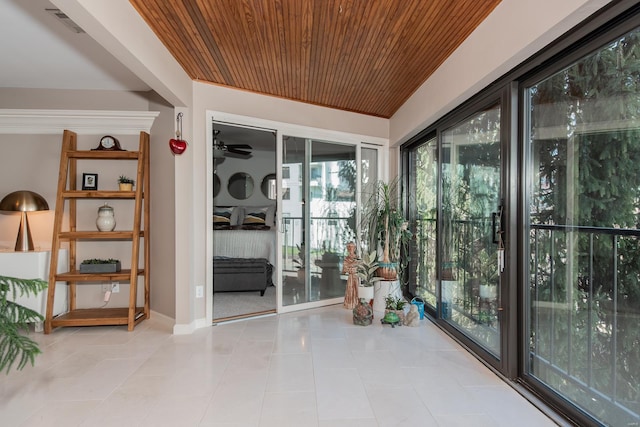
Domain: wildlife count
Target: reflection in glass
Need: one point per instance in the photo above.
(424, 189)
(216, 185)
(317, 218)
(240, 186)
(469, 276)
(269, 187)
(584, 270)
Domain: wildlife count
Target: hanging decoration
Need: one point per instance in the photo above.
(177, 144)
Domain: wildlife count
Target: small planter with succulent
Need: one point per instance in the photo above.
(396, 305)
(125, 183)
(96, 265)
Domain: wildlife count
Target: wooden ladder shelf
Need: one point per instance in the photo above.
(68, 195)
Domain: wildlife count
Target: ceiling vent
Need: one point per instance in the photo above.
(68, 22)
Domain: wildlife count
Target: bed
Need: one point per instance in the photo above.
(243, 248)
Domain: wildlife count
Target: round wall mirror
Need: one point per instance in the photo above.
(216, 185)
(240, 186)
(269, 187)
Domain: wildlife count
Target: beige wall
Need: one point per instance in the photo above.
(73, 99)
(163, 248)
(31, 162)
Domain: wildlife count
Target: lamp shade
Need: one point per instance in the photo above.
(24, 201)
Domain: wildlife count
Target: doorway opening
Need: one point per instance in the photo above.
(244, 224)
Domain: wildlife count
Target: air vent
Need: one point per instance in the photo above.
(68, 22)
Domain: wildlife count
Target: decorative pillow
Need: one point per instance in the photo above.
(222, 216)
(255, 216)
(270, 217)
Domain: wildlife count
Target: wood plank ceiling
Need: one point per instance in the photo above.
(366, 56)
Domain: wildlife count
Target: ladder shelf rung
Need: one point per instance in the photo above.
(98, 235)
(103, 155)
(98, 316)
(99, 194)
(77, 276)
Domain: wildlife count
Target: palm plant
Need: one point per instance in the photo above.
(385, 225)
(15, 319)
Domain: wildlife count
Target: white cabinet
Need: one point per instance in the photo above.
(35, 265)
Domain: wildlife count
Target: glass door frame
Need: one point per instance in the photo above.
(281, 129)
(506, 97)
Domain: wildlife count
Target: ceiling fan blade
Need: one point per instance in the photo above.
(239, 146)
(236, 151)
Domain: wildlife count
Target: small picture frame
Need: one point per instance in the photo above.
(89, 181)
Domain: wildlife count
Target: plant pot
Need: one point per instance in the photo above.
(381, 290)
(400, 314)
(100, 268)
(125, 186)
(387, 270)
(365, 292)
(488, 292)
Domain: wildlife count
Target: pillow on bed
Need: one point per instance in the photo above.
(255, 216)
(270, 213)
(222, 216)
(227, 215)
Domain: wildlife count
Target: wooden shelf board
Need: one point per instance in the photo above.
(98, 235)
(97, 317)
(99, 194)
(76, 276)
(104, 155)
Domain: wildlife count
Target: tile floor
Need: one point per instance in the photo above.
(309, 368)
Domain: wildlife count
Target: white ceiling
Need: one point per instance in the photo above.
(38, 51)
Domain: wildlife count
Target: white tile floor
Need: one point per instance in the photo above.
(310, 368)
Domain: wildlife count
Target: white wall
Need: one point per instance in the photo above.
(208, 97)
(514, 31)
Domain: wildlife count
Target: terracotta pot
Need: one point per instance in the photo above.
(387, 270)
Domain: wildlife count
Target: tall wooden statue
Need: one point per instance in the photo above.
(350, 267)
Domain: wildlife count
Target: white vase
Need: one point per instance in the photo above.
(106, 221)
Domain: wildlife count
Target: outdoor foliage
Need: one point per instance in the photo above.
(587, 146)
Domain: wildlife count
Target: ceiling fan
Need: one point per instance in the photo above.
(220, 149)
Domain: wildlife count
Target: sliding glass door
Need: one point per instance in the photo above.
(318, 217)
(583, 129)
(471, 238)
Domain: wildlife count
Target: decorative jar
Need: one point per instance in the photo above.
(106, 221)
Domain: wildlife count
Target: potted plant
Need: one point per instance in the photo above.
(125, 183)
(15, 319)
(300, 262)
(96, 265)
(386, 227)
(366, 271)
(396, 305)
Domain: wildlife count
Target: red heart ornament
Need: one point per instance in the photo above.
(177, 146)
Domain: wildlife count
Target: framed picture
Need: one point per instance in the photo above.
(89, 181)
